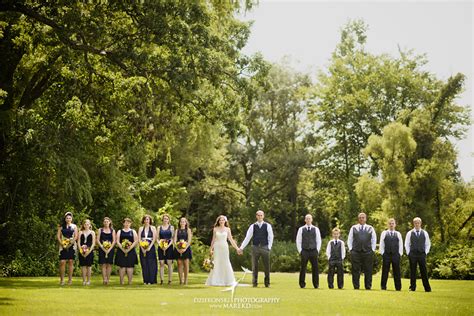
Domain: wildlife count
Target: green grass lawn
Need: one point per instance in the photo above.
(44, 296)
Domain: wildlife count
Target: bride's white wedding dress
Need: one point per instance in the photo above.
(222, 274)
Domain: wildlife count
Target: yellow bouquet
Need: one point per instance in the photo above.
(66, 243)
(107, 245)
(125, 245)
(164, 244)
(144, 244)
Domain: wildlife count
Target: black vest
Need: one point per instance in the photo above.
(336, 251)
(391, 243)
(308, 240)
(362, 239)
(260, 235)
(417, 244)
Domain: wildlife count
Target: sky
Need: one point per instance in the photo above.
(307, 32)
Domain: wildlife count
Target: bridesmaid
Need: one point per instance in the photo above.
(148, 255)
(165, 232)
(106, 256)
(67, 230)
(183, 255)
(86, 251)
(126, 259)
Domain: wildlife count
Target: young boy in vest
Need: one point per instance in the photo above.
(336, 252)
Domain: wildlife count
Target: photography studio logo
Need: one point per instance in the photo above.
(233, 302)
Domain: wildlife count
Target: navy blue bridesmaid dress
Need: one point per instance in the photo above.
(149, 262)
(183, 234)
(89, 259)
(168, 235)
(131, 259)
(106, 237)
(67, 254)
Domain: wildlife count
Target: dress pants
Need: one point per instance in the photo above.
(310, 255)
(362, 261)
(264, 253)
(394, 260)
(418, 259)
(336, 265)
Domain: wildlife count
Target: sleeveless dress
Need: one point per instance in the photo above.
(131, 259)
(110, 257)
(66, 254)
(149, 262)
(183, 234)
(89, 259)
(169, 253)
(222, 274)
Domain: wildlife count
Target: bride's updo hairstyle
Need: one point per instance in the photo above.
(218, 219)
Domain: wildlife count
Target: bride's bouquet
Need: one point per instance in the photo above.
(144, 244)
(208, 264)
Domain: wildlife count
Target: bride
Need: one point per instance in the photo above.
(222, 273)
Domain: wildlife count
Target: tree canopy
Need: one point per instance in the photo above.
(125, 108)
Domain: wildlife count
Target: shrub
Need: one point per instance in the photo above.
(456, 263)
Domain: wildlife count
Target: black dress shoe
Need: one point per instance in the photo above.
(254, 285)
(428, 290)
(267, 285)
(384, 289)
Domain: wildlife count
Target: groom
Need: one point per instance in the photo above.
(262, 234)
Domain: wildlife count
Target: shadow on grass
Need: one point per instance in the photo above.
(194, 282)
(6, 301)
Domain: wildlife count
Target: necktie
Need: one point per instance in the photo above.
(307, 228)
(417, 233)
(335, 242)
(361, 227)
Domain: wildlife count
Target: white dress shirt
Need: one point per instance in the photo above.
(250, 235)
(382, 241)
(367, 227)
(408, 241)
(343, 248)
(299, 236)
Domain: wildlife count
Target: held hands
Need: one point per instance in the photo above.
(240, 251)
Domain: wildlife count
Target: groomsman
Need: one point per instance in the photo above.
(361, 242)
(417, 246)
(261, 234)
(308, 243)
(391, 249)
(336, 252)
